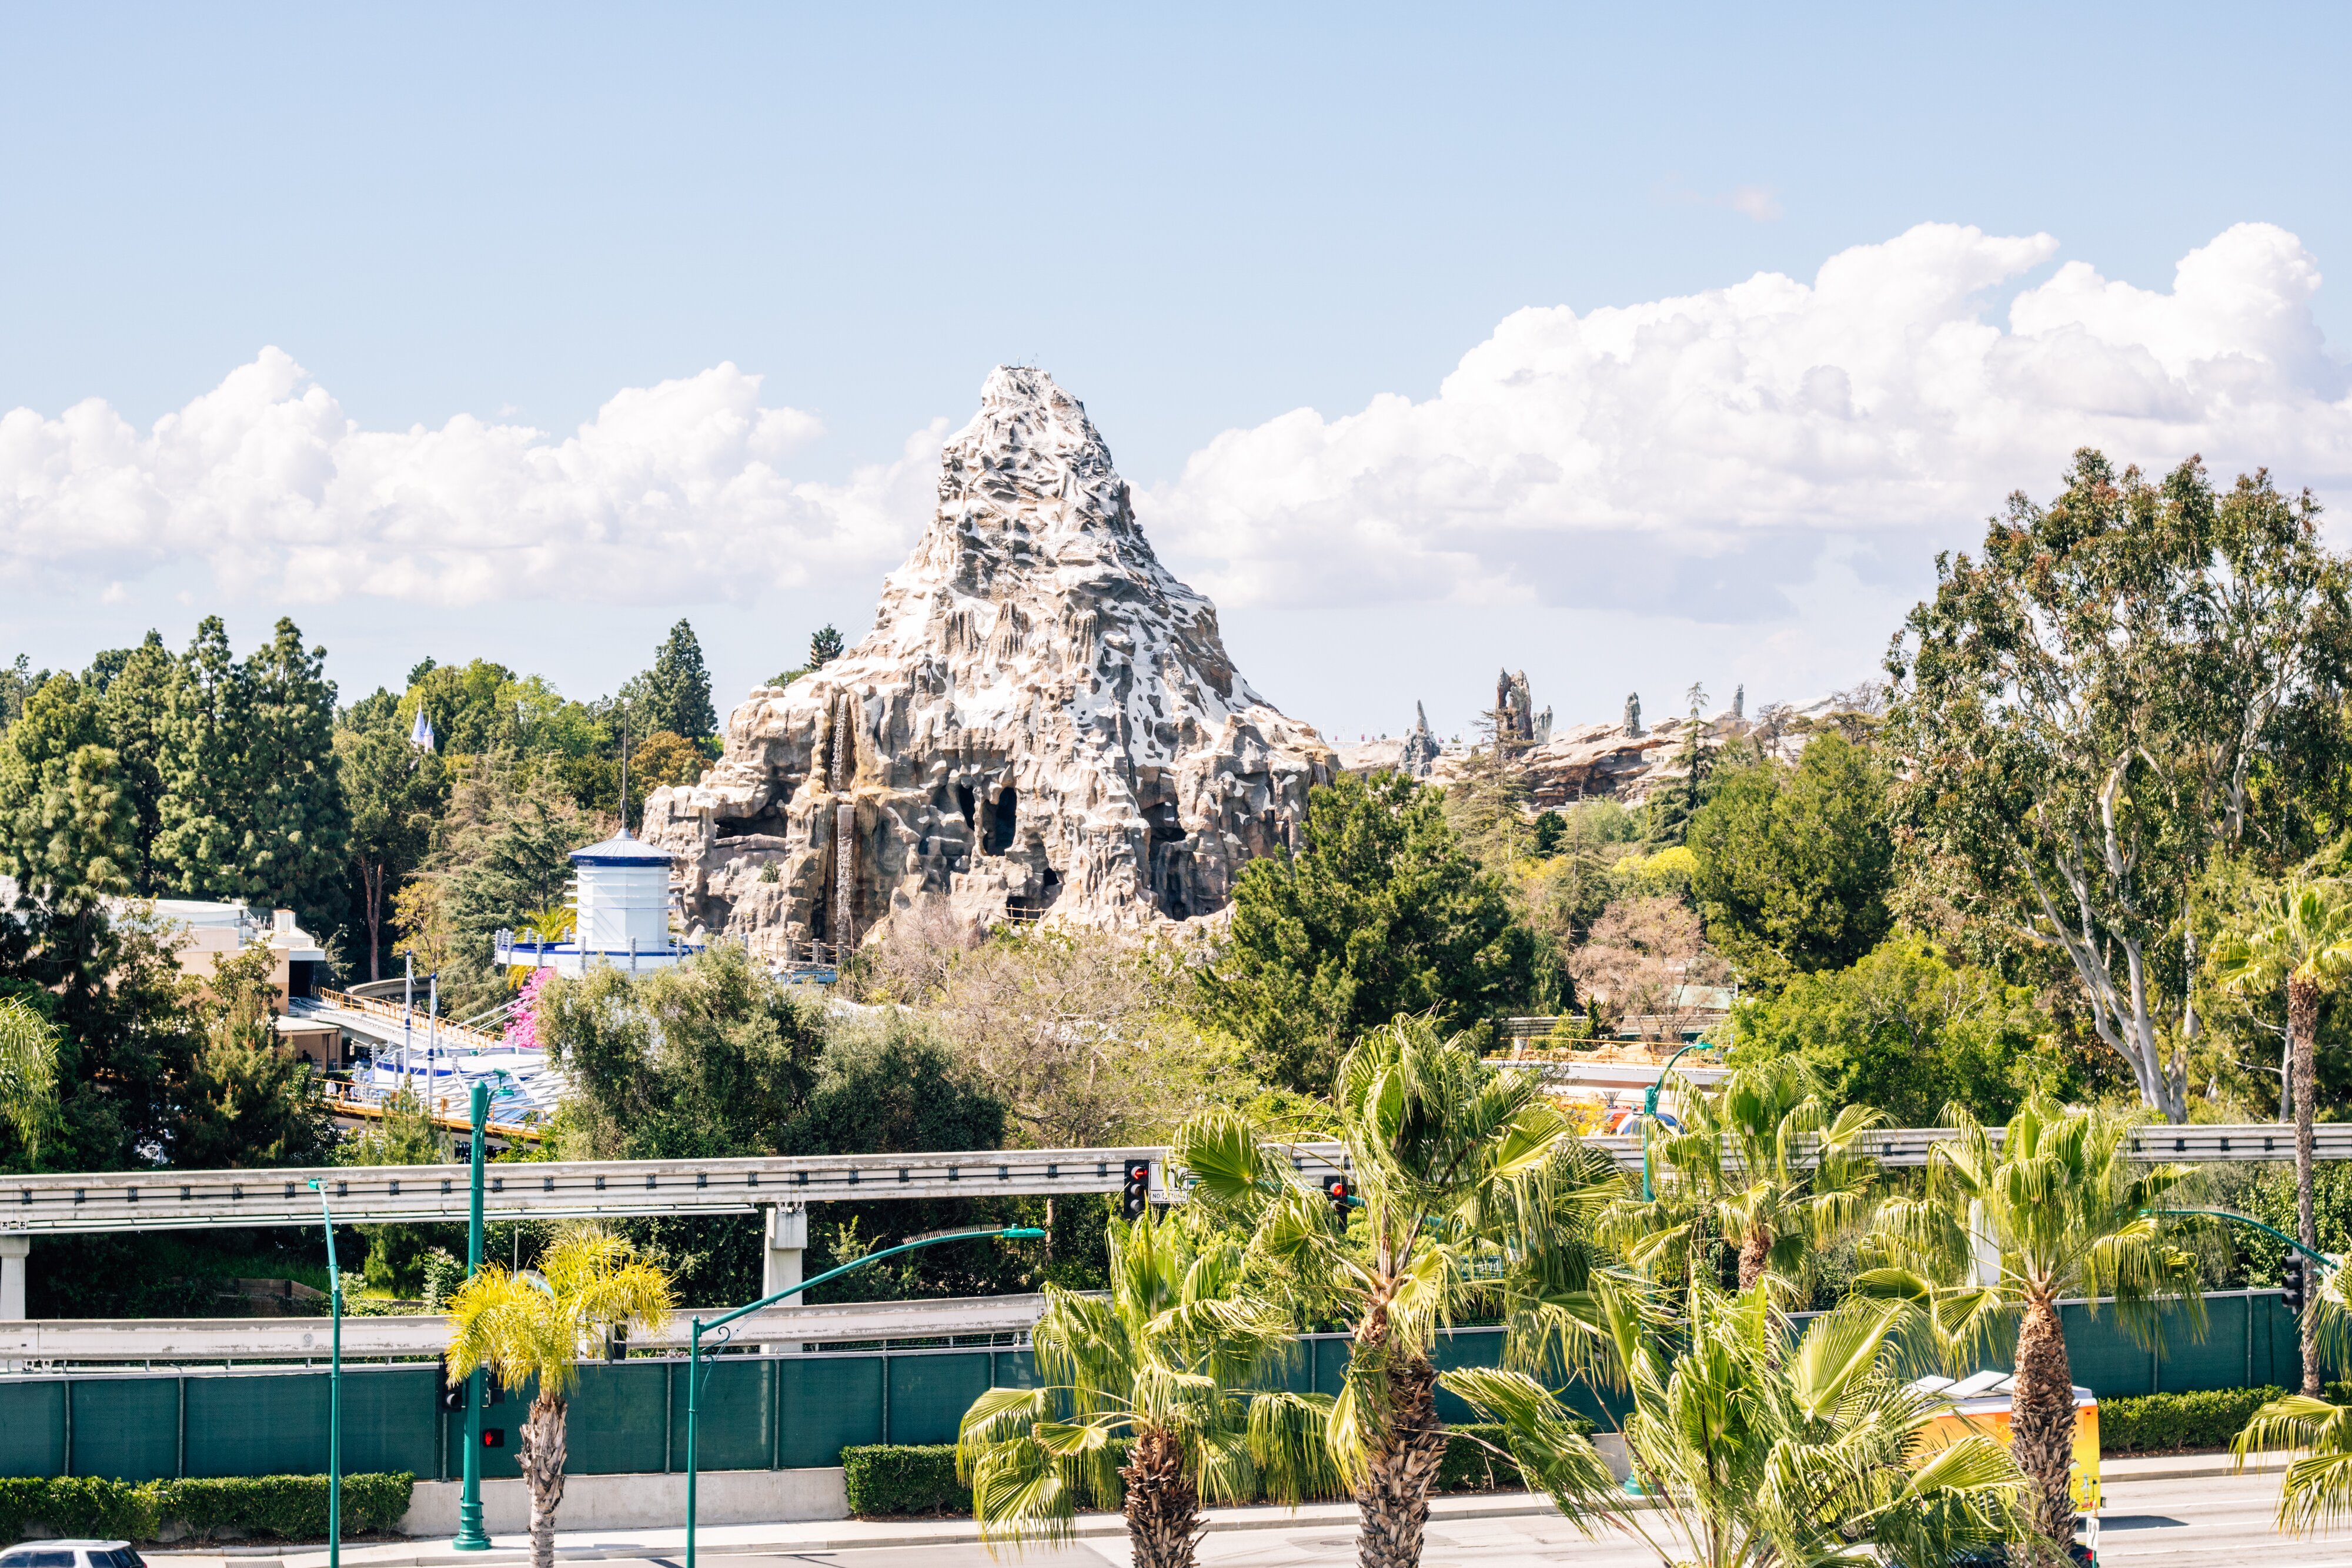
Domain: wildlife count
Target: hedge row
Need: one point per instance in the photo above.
(288, 1508)
(2174, 1423)
(920, 1479)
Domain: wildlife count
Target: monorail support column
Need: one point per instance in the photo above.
(787, 1226)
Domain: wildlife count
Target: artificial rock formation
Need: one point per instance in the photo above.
(1043, 722)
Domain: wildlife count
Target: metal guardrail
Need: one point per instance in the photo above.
(63, 1205)
(452, 1037)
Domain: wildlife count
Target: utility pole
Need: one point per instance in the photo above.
(471, 1537)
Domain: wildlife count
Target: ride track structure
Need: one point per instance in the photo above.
(80, 1204)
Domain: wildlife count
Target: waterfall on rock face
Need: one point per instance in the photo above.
(845, 825)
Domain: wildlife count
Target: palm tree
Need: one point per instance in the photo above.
(1163, 1361)
(1761, 1163)
(1470, 1189)
(2317, 1491)
(1750, 1450)
(2300, 936)
(2052, 1208)
(536, 1325)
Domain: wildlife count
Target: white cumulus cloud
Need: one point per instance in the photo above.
(672, 492)
(1705, 454)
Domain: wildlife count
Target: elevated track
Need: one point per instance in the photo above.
(64, 1205)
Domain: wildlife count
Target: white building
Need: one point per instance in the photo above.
(621, 905)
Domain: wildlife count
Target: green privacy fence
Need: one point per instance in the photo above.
(763, 1412)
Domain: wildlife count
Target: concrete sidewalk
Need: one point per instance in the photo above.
(852, 1534)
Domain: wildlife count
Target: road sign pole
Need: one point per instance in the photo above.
(471, 1537)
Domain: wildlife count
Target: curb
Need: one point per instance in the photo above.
(962, 1532)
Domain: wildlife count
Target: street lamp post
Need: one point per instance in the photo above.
(471, 1537)
(1649, 1109)
(334, 1394)
(694, 1373)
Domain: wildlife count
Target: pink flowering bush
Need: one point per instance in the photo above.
(522, 1033)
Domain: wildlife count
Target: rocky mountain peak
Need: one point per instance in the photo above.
(1043, 721)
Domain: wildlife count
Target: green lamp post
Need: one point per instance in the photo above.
(334, 1393)
(694, 1373)
(471, 1537)
(1649, 1109)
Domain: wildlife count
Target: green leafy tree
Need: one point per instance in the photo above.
(1757, 1444)
(134, 708)
(1474, 1192)
(1909, 1031)
(2301, 939)
(252, 808)
(396, 794)
(2089, 706)
(677, 687)
(397, 1254)
(1672, 812)
(1793, 864)
(1380, 914)
(1166, 1362)
(248, 1102)
(2056, 1207)
(824, 647)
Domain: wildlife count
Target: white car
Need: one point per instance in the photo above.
(71, 1554)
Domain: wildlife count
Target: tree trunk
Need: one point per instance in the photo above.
(1163, 1510)
(1755, 1259)
(371, 885)
(1392, 1500)
(2041, 1426)
(539, 1451)
(2303, 1030)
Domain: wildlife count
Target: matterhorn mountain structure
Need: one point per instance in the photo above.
(1043, 722)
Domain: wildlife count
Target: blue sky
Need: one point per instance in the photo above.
(1199, 221)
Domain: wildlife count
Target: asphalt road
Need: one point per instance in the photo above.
(2203, 1524)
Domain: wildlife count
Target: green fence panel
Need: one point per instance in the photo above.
(1460, 1348)
(1331, 1364)
(2278, 1345)
(2219, 1360)
(828, 1403)
(617, 1424)
(1013, 1369)
(929, 1394)
(733, 1428)
(269, 1426)
(388, 1414)
(127, 1429)
(2104, 1358)
(33, 1428)
(503, 1419)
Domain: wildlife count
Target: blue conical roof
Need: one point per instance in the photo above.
(621, 849)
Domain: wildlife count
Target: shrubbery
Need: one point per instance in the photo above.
(288, 1508)
(920, 1479)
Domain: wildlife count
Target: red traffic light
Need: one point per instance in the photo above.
(494, 1437)
(1140, 1170)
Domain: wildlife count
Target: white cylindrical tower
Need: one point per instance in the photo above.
(623, 897)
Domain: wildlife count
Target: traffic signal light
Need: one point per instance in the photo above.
(2295, 1267)
(494, 1437)
(1342, 1193)
(1138, 1196)
(453, 1395)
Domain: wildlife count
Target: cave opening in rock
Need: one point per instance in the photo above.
(1003, 817)
(965, 803)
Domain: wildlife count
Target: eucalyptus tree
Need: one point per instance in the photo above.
(2086, 714)
(1470, 1189)
(1753, 1444)
(2299, 937)
(2006, 1228)
(1166, 1360)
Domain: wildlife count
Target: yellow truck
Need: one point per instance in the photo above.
(1979, 1403)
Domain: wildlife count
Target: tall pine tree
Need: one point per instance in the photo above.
(251, 806)
(675, 694)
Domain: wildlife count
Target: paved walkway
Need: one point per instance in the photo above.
(826, 1536)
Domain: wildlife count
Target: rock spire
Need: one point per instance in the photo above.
(1043, 722)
